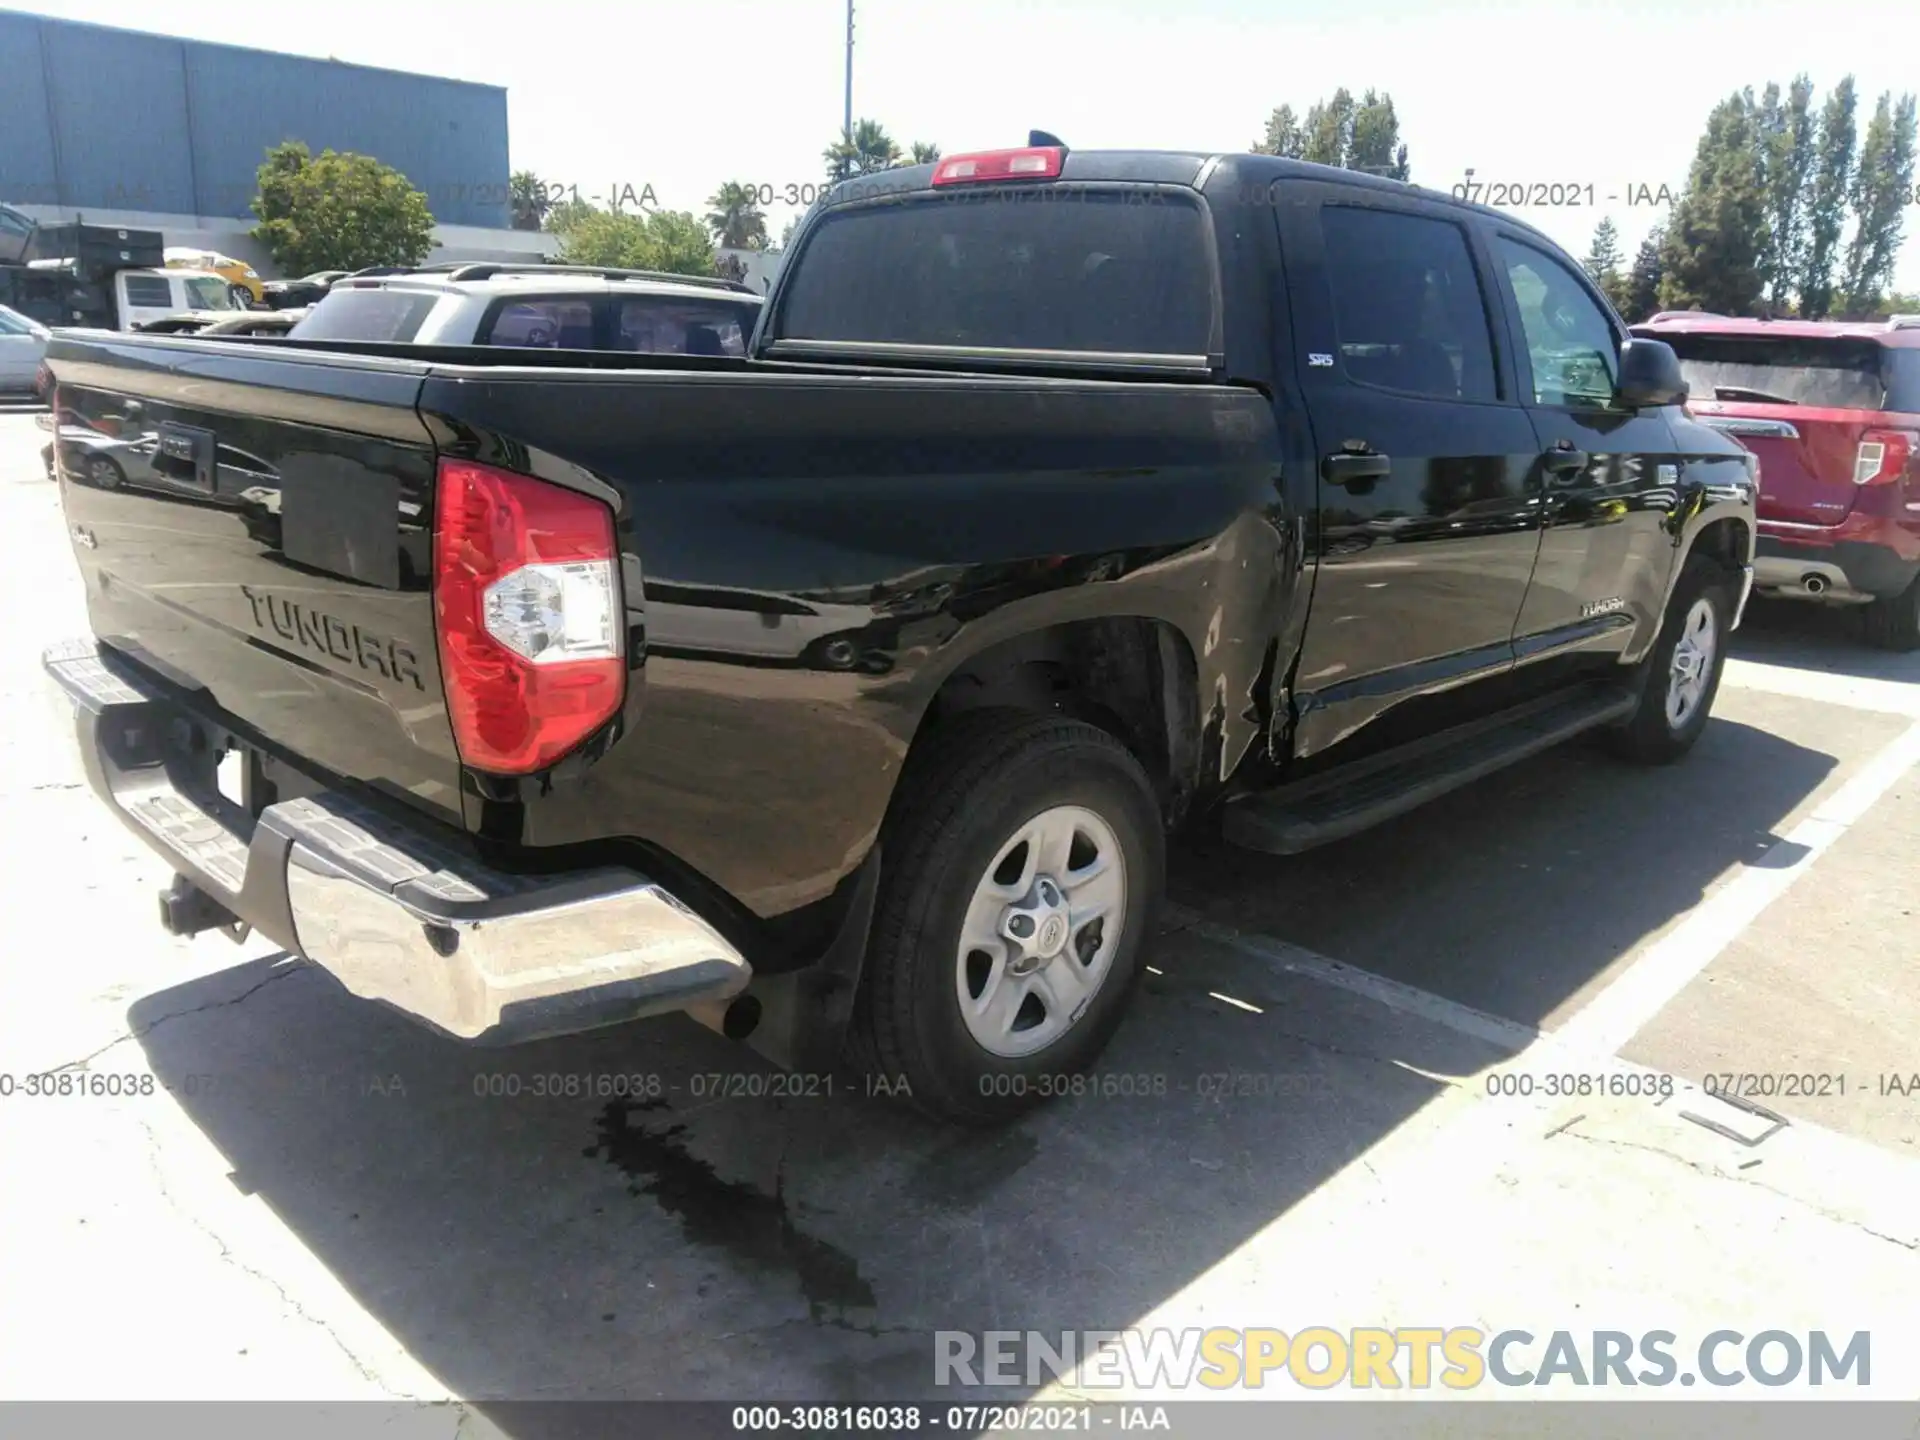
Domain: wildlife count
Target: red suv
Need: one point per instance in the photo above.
(1833, 412)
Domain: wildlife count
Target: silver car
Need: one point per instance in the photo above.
(23, 344)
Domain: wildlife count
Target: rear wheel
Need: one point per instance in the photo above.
(1025, 864)
(1683, 668)
(104, 472)
(1893, 622)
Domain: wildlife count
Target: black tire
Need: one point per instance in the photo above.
(1893, 621)
(1649, 737)
(960, 804)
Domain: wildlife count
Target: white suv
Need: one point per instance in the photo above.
(554, 307)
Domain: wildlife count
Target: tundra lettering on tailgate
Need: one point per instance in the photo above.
(324, 635)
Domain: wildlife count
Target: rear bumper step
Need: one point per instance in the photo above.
(391, 912)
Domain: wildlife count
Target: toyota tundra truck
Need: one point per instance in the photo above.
(845, 694)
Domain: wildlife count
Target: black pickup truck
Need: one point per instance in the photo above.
(845, 695)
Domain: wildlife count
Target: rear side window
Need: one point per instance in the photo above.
(366, 314)
(544, 324)
(1841, 374)
(657, 325)
(1055, 268)
(149, 292)
(1407, 304)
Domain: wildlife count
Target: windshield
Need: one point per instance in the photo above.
(1833, 374)
(207, 292)
(1114, 271)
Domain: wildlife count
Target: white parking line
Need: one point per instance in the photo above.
(1606, 1023)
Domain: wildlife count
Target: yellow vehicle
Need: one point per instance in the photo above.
(235, 272)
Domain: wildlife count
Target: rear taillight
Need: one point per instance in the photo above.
(1034, 162)
(1884, 455)
(528, 609)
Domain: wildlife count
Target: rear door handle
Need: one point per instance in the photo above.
(1345, 467)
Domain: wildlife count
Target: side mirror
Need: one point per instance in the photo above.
(1649, 375)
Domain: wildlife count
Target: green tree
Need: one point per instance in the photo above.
(1643, 279)
(1602, 262)
(1355, 135)
(868, 149)
(528, 203)
(786, 235)
(1375, 146)
(338, 211)
(1719, 228)
(1329, 129)
(1785, 134)
(1284, 135)
(670, 240)
(1827, 203)
(735, 218)
(924, 153)
(1878, 195)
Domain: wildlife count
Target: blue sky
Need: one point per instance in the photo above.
(684, 96)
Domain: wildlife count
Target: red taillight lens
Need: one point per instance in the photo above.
(1883, 456)
(1035, 162)
(528, 609)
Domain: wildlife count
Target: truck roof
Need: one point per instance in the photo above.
(1172, 167)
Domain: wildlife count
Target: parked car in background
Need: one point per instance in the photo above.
(23, 346)
(1833, 412)
(301, 293)
(217, 322)
(536, 306)
(239, 275)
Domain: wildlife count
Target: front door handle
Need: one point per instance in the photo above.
(1346, 468)
(1564, 462)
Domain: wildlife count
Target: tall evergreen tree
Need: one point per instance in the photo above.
(1786, 137)
(1375, 147)
(1719, 228)
(1643, 280)
(1329, 130)
(1881, 184)
(1284, 135)
(1602, 262)
(1827, 203)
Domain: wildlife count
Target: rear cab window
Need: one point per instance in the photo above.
(1074, 268)
(1843, 373)
(373, 313)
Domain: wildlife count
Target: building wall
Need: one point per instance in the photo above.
(98, 119)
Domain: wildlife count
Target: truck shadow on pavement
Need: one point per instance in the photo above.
(637, 1213)
(1826, 640)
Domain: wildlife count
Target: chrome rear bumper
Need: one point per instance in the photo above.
(396, 914)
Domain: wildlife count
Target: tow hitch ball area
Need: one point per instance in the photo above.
(186, 909)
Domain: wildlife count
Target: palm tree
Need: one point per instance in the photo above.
(527, 200)
(735, 218)
(925, 154)
(868, 149)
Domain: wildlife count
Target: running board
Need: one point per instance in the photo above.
(1345, 801)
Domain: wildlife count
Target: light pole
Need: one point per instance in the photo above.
(847, 123)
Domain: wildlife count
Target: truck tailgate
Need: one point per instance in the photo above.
(258, 525)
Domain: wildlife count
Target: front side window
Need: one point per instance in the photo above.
(1570, 343)
(204, 292)
(1407, 303)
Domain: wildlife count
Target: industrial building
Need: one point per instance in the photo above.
(181, 158)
